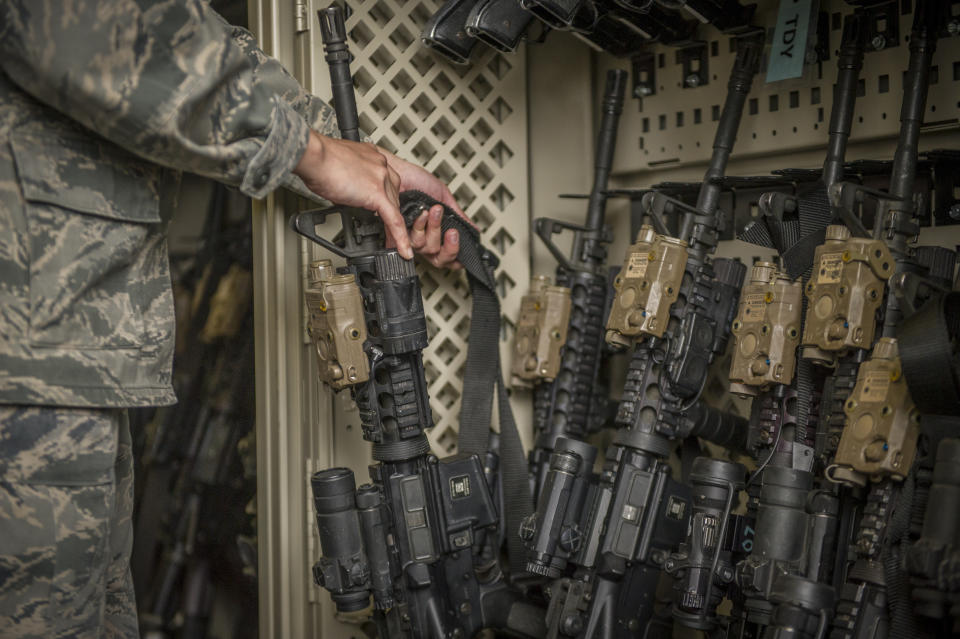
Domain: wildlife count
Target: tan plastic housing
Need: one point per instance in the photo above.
(647, 286)
(337, 326)
(845, 291)
(541, 333)
(880, 435)
(766, 331)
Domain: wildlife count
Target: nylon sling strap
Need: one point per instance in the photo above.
(796, 240)
(483, 376)
(928, 352)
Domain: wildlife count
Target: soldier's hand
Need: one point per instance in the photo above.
(356, 174)
(426, 236)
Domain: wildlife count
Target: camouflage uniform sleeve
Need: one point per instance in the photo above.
(166, 81)
(318, 113)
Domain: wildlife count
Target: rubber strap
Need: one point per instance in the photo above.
(483, 376)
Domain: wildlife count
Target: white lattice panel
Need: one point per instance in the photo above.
(466, 125)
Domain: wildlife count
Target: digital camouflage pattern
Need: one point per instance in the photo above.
(65, 524)
(102, 103)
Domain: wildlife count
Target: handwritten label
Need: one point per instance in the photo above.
(831, 266)
(789, 47)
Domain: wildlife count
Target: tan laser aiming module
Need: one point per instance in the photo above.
(844, 292)
(541, 333)
(647, 287)
(880, 435)
(336, 326)
(766, 331)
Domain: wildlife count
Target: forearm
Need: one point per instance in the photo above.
(168, 83)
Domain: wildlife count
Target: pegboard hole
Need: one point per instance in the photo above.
(423, 106)
(883, 83)
(462, 108)
(794, 129)
(442, 85)
(500, 110)
(482, 217)
(645, 125)
(384, 141)
(366, 123)
(482, 175)
(446, 307)
(499, 66)
(428, 284)
(443, 129)
(465, 197)
(481, 87)
(502, 241)
(814, 96)
(422, 60)
(403, 128)
(447, 442)
(424, 151)
(462, 152)
(380, 13)
(382, 59)
(447, 351)
(481, 131)
(401, 37)
(501, 154)
(361, 35)
(445, 172)
(505, 284)
(501, 198)
(753, 106)
(431, 372)
(463, 327)
(420, 14)
(448, 396)
(383, 105)
(363, 81)
(794, 99)
(697, 116)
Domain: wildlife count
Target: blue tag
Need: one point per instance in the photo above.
(789, 46)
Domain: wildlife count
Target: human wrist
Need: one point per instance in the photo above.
(312, 156)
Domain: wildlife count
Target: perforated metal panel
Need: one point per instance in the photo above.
(675, 126)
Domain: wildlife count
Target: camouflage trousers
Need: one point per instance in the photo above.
(66, 501)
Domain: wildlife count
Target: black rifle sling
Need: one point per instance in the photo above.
(482, 376)
(928, 352)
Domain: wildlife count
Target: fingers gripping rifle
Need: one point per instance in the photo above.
(411, 537)
(630, 521)
(559, 344)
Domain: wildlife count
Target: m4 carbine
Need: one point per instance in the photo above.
(794, 527)
(411, 538)
(678, 304)
(559, 341)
